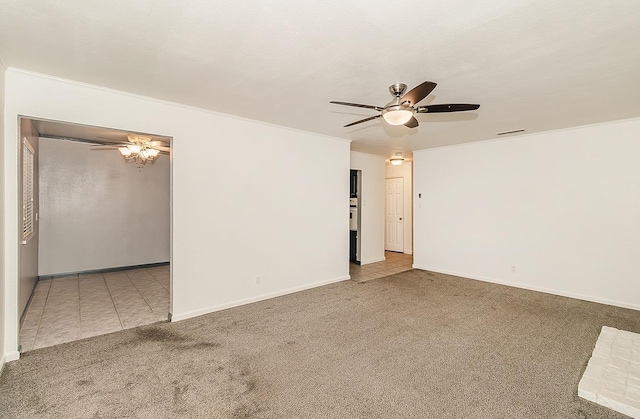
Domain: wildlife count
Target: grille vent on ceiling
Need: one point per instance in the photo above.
(510, 132)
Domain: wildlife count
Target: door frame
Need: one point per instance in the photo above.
(386, 213)
(13, 222)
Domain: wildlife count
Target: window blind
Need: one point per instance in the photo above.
(27, 190)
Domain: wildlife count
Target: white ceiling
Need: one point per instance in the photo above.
(531, 64)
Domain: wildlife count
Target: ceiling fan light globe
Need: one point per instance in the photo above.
(124, 151)
(135, 149)
(397, 116)
(152, 152)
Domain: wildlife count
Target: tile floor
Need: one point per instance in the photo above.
(73, 307)
(394, 263)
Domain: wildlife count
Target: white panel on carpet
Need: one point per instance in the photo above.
(612, 377)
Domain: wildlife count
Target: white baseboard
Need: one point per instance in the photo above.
(577, 296)
(366, 262)
(12, 356)
(207, 310)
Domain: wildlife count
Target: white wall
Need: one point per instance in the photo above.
(249, 199)
(3, 295)
(405, 171)
(98, 211)
(371, 209)
(562, 208)
(29, 250)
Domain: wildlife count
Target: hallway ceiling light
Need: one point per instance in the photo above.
(397, 160)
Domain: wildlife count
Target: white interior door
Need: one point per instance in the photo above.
(394, 231)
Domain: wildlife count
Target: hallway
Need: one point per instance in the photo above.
(394, 263)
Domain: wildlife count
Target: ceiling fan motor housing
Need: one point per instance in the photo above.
(398, 89)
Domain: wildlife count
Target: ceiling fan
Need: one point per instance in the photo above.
(139, 149)
(401, 110)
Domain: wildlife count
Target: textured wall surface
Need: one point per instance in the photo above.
(98, 211)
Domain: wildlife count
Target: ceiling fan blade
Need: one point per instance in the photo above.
(363, 120)
(452, 107)
(167, 149)
(412, 123)
(418, 93)
(357, 105)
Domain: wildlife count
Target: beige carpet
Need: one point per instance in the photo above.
(413, 345)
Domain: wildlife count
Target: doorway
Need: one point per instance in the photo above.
(355, 224)
(400, 201)
(394, 215)
(103, 230)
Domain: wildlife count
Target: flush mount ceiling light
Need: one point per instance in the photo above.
(140, 149)
(401, 110)
(397, 160)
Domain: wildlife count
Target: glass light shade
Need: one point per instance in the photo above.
(396, 161)
(141, 150)
(134, 148)
(397, 117)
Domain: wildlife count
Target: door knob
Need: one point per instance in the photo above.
(400, 218)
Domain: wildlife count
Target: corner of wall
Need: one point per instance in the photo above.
(3, 360)
(3, 357)
(3, 66)
(371, 205)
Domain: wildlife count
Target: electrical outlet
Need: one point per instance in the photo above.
(258, 280)
(513, 268)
